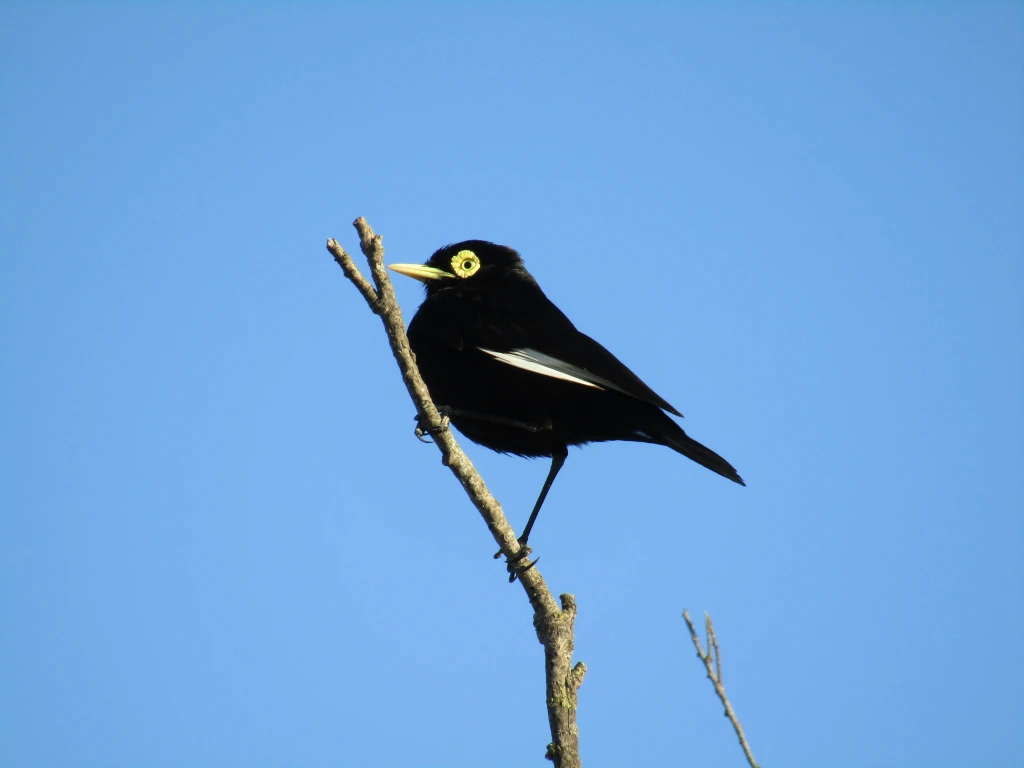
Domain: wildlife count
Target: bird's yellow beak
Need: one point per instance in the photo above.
(420, 272)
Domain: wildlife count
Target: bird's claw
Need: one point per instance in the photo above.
(522, 554)
(516, 569)
(422, 432)
(515, 564)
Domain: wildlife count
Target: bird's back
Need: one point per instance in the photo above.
(459, 337)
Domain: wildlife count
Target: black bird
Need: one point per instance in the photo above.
(513, 373)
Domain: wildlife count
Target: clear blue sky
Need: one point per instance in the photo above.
(802, 224)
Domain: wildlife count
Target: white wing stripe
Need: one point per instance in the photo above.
(546, 365)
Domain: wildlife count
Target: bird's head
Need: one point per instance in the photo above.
(469, 264)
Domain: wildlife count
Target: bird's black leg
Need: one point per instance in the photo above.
(558, 456)
(447, 413)
(557, 460)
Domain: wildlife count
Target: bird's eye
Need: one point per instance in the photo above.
(465, 263)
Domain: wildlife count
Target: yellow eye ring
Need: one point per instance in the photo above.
(465, 263)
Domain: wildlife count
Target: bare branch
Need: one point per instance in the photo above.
(352, 273)
(713, 646)
(554, 626)
(712, 660)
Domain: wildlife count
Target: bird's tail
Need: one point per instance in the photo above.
(678, 440)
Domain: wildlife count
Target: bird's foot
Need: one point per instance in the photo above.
(517, 564)
(423, 431)
(518, 568)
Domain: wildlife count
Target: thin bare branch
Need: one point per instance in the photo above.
(554, 625)
(352, 273)
(712, 660)
(713, 646)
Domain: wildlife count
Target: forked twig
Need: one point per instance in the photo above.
(712, 660)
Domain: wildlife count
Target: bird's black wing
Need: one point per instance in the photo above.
(524, 329)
